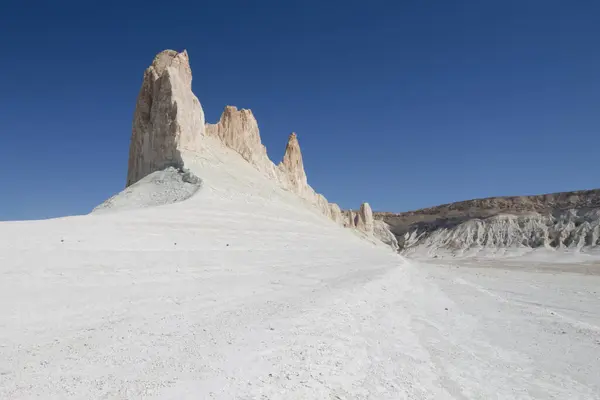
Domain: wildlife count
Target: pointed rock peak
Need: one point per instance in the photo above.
(232, 111)
(365, 218)
(292, 159)
(293, 138)
(163, 59)
(167, 58)
(292, 149)
(293, 165)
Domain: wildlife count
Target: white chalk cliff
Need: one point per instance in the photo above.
(565, 221)
(169, 121)
(570, 229)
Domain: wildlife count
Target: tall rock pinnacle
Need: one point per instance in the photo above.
(365, 219)
(168, 117)
(293, 165)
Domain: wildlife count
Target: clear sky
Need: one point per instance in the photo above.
(404, 104)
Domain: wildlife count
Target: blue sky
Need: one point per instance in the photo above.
(404, 104)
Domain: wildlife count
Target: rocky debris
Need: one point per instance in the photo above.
(364, 219)
(168, 117)
(566, 220)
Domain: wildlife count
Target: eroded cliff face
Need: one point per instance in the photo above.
(567, 220)
(572, 229)
(168, 117)
(169, 120)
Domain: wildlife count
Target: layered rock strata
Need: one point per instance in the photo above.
(566, 220)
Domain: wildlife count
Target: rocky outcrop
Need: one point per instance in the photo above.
(293, 166)
(169, 120)
(568, 220)
(349, 219)
(238, 130)
(168, 117)
(336, 213)
(364, 219)
(570, 229)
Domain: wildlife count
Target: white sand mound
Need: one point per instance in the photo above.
(168, 186)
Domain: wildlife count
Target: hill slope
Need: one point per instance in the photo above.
(242, 291)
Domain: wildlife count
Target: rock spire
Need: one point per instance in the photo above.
(168, 117)
(292, 164)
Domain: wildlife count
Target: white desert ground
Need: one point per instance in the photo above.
(243, 291)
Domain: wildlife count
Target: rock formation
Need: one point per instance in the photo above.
(169, 120)
(568, 220)
(293, 166)
(364, 219)
(238, 130)
(168, 117)
(336, 213)
(349, 219)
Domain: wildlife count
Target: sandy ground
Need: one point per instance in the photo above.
(545, 315)
(123, 307)
(243, 292)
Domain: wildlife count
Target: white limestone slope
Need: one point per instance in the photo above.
(241, 291)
